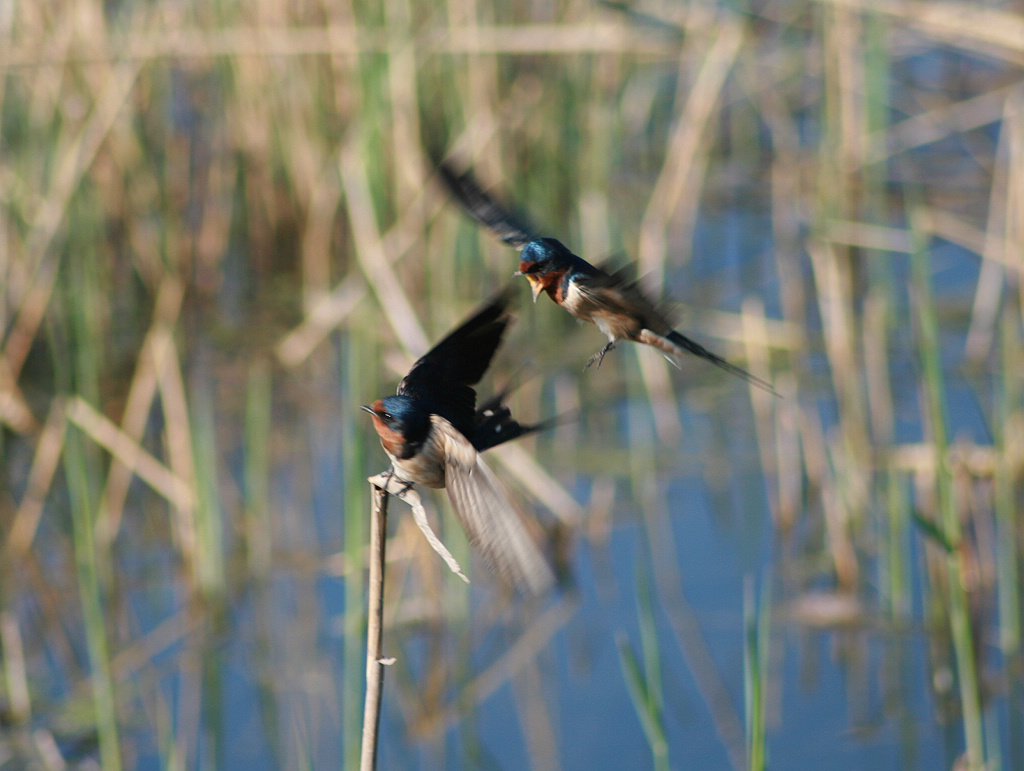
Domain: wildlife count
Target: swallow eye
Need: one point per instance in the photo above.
(386, 417)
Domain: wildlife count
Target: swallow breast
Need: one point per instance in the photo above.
(425, 467)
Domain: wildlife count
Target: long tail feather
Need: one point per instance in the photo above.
(673, 345)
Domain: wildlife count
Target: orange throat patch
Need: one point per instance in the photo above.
(548, 282)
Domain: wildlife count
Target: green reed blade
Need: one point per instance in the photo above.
(645, 683)
(935, 408)
(636, 684)
(757, 631)
(83, 520)
(209, 517)
(1007, 566)
(258, 527)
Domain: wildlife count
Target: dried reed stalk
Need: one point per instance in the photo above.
(374, 629)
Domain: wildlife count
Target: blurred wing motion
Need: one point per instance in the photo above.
(483, 208)
(487, 516)
(614, 301)
(443, 377)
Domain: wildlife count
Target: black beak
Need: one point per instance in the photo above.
(367, 408)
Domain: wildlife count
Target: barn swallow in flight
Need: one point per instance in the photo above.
(612, 301)
(433, 433)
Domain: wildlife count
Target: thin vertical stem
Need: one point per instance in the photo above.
(756, 622)
(90, 594)
(374, 629)
(959, 612)
(1007, 566)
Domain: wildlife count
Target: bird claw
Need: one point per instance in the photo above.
(388, 476)
(599, 356)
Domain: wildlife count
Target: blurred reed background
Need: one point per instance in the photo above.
(203, 207)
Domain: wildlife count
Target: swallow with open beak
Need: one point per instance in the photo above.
(433, 433)
(612, 301)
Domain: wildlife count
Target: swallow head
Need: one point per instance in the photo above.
(543, 262)
(401, 424)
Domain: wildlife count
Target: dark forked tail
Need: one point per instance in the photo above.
(674, 344)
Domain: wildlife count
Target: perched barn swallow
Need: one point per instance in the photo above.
(612, 301)
(434, 434)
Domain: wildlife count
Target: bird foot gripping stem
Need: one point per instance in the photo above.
(386, 478)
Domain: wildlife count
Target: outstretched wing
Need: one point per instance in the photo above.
(443, 377)
(492, 525)
(483, 208)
